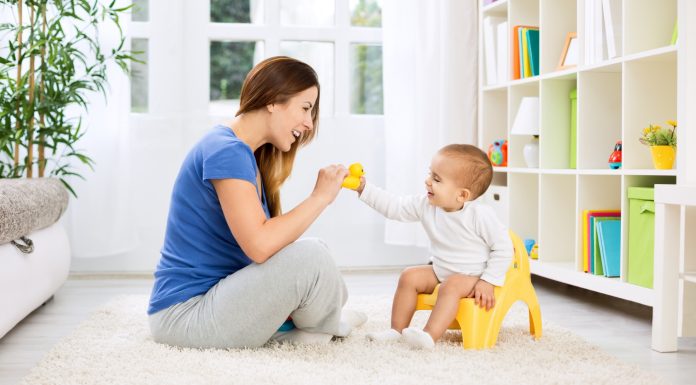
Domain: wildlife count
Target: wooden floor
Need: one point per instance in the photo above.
(620, 328)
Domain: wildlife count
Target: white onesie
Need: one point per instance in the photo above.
(469, 241)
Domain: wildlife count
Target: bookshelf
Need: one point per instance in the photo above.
(616, 98)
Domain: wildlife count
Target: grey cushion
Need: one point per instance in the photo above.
(29, 204)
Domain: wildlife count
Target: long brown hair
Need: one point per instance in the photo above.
(274, 81)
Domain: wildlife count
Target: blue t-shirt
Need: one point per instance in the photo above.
(199, 249)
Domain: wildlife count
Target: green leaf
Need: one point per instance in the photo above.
(68, 72)
(67, 186)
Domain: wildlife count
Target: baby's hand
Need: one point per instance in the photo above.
(483, 294)
(362, 185)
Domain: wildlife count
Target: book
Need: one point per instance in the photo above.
(593, 28)
(533, 47)
(573, 127)
(489, 50)
(598, 32)
(515, 43)
(494, 60)
(522, 48)
(611, 9)
(525, 53)
(587, 232)
(502, 57)
(609, 234)
(589, 32)
(597, 267)
(585, 245)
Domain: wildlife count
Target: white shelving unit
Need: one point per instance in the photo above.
(674, 313)
(616, 98)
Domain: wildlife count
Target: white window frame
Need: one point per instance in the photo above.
(140, 30)
(179, 33)
(341, 34)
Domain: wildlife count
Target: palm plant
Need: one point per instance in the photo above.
(50, 59)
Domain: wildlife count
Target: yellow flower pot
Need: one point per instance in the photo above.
(663, 157)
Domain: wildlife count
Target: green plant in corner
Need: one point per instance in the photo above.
(50, 59)
(655, 135)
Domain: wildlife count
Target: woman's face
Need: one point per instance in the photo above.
(291, 119)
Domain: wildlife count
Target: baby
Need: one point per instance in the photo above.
(470, 248)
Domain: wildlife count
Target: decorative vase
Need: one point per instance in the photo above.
(531, 154)
(663, 157)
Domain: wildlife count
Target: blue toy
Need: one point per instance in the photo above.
(528, 244)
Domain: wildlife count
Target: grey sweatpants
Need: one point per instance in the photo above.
(247, 307)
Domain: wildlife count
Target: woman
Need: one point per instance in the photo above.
(232, 270)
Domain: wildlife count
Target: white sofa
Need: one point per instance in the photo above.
(30, 210)
(28, 280)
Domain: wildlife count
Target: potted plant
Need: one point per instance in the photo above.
(50, 58)
(662, 143)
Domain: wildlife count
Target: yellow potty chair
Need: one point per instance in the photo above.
(480, 327)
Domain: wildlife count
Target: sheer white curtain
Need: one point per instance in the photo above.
(430, 92)
(100, 221)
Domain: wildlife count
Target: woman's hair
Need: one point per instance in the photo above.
(475, 169)
(274, 81)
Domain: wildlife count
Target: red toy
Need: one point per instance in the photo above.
(615, 157)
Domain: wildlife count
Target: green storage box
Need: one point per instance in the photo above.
(641, 235)
(573, 128)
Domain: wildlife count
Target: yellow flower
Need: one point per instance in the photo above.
(672, 123)
(646, 130)
(656, 128)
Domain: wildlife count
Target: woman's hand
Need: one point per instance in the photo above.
(329, 182)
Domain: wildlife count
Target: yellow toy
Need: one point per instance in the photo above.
(352, 181)
(480, 327)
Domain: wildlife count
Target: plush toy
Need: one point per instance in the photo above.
(352, 181)
(498, 153)
(529, 244)
(615, 157)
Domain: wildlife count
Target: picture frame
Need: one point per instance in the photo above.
(569, 56)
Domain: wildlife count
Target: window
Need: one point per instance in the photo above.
(230, 61)
(140, 50)
(366, 82)
(366, 13)
(140, 10)
(307, 12)
(139, 75)
(320, 56)
(236, 11)
(340, 39)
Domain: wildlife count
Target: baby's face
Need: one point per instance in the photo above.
(444, 186)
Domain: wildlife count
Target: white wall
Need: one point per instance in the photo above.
(178, 116)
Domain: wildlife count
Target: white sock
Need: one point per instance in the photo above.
(418, 338)
(389, 335)
(353, 318)
(350, 319)
(299, 336)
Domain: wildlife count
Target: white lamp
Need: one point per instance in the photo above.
(527, 123)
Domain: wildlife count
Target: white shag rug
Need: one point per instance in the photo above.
(113, 346)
